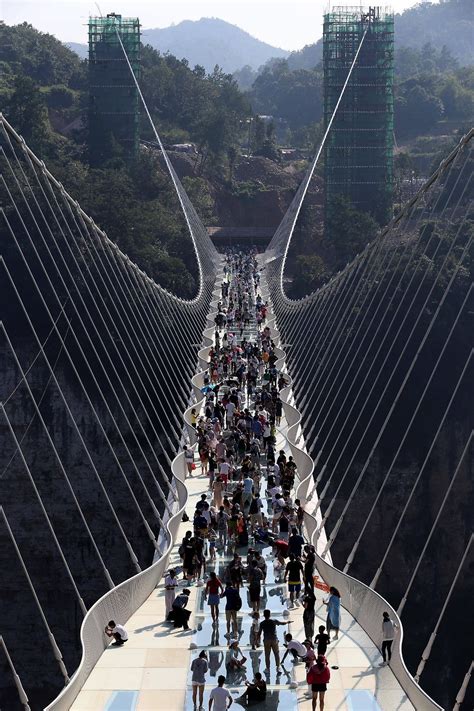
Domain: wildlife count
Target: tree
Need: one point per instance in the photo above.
(232, 157)
(348, 230)
(27, 111)
(258, 135)
(417, 110)
(309, 274)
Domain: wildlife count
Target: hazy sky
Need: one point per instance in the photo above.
(289, 24)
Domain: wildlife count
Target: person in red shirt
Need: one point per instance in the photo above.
(318, 676)
(213, 588)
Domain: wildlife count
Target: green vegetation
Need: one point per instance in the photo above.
(431, 90)
(43, 93)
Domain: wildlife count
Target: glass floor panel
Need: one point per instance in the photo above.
(277, 700)
(209, 636)
(217, 660)
(222, 561)
(273, 598)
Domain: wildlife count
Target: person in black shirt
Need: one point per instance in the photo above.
(256, 691)
(293, 573)
(233, 604)
(322, 640)
(295, 543)
(309, 603)
(309, 564)
(270, 641)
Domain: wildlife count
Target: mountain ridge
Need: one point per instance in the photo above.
(206, 42)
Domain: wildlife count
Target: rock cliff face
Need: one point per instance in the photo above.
(20, 621)
(259, 195)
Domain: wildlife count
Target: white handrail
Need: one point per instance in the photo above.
(121, 602)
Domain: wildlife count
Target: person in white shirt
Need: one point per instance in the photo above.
(388, 635)
(247, 493)
(297, 649)
(171, 583)
(224, 470)
(219, 696)
(118, 632)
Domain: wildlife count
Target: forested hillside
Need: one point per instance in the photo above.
(43, 93)
(434, 80)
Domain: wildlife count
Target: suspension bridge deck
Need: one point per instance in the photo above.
(151, 672)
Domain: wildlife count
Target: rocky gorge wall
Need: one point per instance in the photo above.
(20, 622)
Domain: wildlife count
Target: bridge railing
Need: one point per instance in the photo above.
(121, 602)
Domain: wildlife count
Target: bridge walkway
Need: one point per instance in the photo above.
(151, 672)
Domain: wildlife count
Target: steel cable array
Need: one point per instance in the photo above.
(381, 366)
(92, 424)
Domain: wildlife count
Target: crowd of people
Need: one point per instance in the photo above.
(248, 507)
(249, 502)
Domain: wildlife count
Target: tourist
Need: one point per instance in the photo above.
(309, 563)
(318, 677)
(255, 512)
(189, 459)
(293, 573)
(295, 543)
(235, 659)
(186, 552)
(218, 491)
(199, 668)
(333, 604)
(212, 537)
(179, 615)
(171, 583)
(254, 627)
(322, 640)
(118, 632)
(297, 649)
(220, 696)
(309, 603)
(222, 519)
(256, 691)
(284, 525)
(234, 571)
(388, 635)
(270, 640)
(213, 586)
(233, 605)
(247, 492)
(299, 515)
(310, 658)
(255, 579)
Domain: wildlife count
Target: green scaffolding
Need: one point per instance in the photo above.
(114, 107)
(358, 155)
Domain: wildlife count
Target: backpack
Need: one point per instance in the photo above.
(316, 675)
